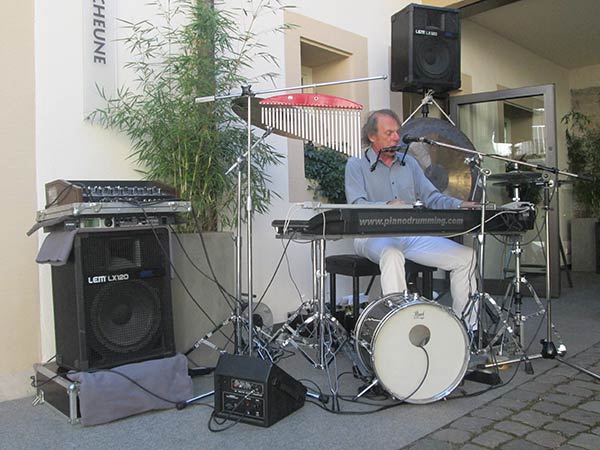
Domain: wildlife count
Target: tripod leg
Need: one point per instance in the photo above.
(588, 372)
(185, 403)
(561, 347)
(205, 339)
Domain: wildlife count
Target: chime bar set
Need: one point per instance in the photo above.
(324, 120)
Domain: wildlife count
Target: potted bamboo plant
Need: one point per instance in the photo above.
(174, 140)
(194, 50)
(583, 145)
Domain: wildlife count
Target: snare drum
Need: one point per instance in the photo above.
(417, 349)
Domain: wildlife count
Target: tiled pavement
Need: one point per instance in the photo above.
(558, 409)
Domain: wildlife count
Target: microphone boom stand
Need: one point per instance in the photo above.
(549, 350)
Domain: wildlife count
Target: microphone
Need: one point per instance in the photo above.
(409, 139)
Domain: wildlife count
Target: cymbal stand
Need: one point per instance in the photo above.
(236, 316)
(549, 349)
(249, 94)
(481, 300)
(513, 295)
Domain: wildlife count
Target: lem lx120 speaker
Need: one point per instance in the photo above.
(255, 391)
(425, 49)
(112, 300)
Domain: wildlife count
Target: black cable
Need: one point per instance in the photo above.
(274, 273)
(289, 270)
(213, 416)
(382, 408)
(64, 190)
(313, 384)
(148, 391)
(221, 288)
(355, 413)
(36, 384)
(172, 266)
(201, 235)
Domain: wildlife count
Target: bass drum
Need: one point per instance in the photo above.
(417, 349)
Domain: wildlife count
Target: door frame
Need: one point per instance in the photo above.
(547, 92)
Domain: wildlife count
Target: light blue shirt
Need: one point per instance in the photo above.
(397, 182)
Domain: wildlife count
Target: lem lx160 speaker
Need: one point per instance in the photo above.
(112, 300)
(425, 49)
(255, 391)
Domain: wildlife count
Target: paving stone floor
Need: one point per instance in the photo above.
(558, 409)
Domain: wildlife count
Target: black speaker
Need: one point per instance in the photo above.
(112, 300)
(255, 391)
(425, 49)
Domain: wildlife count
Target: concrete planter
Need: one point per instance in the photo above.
(189, 322)
(584, 245)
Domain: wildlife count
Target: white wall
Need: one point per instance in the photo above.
(584, 77)
(67, 146)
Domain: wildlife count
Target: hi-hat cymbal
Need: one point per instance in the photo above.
(514, 178)
(445, 168)
(240, 107)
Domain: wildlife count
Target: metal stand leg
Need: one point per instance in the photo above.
(185, 403)
(323, 334)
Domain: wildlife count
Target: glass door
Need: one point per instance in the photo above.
(519, 124)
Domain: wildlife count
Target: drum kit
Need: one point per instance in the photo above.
(414, 348)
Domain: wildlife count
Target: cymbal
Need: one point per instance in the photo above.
(514, 178)
(240, 107)
(445, 168)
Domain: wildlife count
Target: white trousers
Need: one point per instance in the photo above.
(459, 260)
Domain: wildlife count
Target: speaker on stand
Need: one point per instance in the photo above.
(112, 300)
(425, 49)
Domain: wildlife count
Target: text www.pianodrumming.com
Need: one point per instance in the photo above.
(391, 220)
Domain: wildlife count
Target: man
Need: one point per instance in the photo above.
(385, 178)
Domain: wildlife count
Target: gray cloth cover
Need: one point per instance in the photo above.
(105, 396)
(46, 223)
(56, 248)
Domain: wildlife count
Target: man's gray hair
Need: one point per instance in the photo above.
(370, 126)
